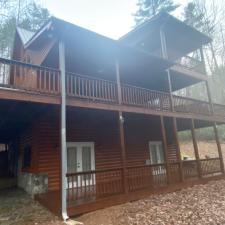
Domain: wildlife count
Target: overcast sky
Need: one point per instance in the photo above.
(112, 18)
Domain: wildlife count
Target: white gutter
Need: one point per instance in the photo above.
(63, 131)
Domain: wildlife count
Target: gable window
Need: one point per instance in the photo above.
(27, 156)
(156, 152)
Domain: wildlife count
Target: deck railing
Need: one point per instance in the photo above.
(146, 176)
(33, 78)
(93, 185)
(190, 169)
(23, 76)
(87, 186)
(91, 88)
(147, 98)
(219, 110)
(210, 166)
(188, 105)
(192, 64)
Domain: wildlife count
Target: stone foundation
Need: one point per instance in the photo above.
(33, 183)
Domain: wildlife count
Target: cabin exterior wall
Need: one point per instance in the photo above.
(99, 127)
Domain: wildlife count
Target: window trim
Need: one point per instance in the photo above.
(156, 143)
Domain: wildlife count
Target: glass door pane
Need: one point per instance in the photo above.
(72, 160)
(86, 161)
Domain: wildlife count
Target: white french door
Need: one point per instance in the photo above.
(156, 156)
(80, 158)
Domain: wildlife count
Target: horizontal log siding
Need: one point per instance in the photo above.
(95, 126)
(139, 130)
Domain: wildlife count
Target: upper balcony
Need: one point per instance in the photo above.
(86, 91)
(167, 37)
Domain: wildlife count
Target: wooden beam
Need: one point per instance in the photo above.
(178, 148)
(219, 147)
(195, 144)
(165, 145)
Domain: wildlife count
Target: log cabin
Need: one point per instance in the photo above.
(90, 122)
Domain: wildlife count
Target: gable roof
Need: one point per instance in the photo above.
(25, 35)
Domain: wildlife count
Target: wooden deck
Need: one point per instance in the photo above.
(25, 82)
(106, 188)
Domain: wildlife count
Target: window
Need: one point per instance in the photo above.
(27, 157)
(156, 152)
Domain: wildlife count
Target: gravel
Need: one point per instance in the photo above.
(17, 208)
(198, 205)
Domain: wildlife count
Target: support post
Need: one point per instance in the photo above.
(195, 144)
(63, 131)
(163, 131)
(219, 147)
(163, 43)
(209, 97)
(178, 148)
(170, 90)
(165, 56)
(121, 129)
(203, 60)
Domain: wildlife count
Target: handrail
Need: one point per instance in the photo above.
(191, 99)
(93, 171)
(12, 61)
(146, 89)
(90, 77)
(210, 159)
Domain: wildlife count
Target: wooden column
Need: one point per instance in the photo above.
(178, 148)
(203, 60)
(170, 90)
(165, 56)
(195, 144)
(121, 130)
(209, 97)
(218, 146)
(163, 131)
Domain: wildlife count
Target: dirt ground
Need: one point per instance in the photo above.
(199, 205)
(17, 208)
(205, 149)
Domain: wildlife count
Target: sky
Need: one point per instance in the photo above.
(112, 18)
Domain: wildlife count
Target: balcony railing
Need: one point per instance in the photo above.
(93, 185)
(188, 105)
(146, 98)
(32, 78)
(29, 77)
(191, 64)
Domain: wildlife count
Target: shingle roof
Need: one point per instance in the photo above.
(25, 35)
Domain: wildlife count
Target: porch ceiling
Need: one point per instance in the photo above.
(16, 116)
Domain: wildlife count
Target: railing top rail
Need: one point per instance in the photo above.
(93, 171)
(209, 159)
(219, 104)
(191, 99)
(15, 62)
(90, 77)
(142, 88)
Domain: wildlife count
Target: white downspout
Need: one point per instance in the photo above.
(63, 130)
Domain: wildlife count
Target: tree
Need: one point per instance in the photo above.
(26, 14)
(149, 8)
